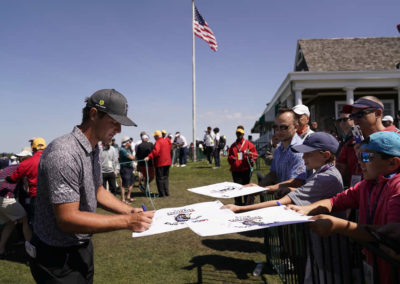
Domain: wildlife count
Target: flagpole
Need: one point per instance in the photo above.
(193, 87)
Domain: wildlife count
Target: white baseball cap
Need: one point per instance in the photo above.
(301, 109)
(126, 139)
(387, 118)
(24, 153)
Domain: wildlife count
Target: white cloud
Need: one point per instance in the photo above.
(235, 116)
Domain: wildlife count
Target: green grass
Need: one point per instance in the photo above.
(175, 257)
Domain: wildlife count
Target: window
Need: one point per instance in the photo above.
(312, 113)
(338, 107)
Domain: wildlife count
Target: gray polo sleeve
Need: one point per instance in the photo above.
(322, 186)
(64, 177)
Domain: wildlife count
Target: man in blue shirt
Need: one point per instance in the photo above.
(287, 168)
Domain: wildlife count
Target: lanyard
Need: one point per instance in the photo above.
(325, 168)
(371, 214)
(240, 150)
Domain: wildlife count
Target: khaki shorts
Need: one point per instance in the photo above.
(10, 209)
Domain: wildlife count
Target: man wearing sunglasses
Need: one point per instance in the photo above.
(367, 114)
(287, 168)
(345, 124)
(377, 196)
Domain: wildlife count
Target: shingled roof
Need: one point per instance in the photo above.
(348, 54)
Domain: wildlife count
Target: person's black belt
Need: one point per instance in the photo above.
(6, 193)
(36, 241)
(124, 166)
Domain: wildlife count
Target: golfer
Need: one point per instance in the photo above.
(69, 190)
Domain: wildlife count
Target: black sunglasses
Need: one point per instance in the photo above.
(281, 127)
(361, 113)
(344, 119)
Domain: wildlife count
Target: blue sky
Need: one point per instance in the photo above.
(53, 54)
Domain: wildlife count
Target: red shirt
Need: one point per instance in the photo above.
(161, 154)
(6, 188)
(348, 155)
(29, 169)
(168, 140)
(247, 150)
(378, 203)
(391, 128)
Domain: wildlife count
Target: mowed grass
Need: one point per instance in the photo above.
(175, 257)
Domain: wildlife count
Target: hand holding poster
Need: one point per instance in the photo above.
(226, 190)
(253, 220)
(171, 219)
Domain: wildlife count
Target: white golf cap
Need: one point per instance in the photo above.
(301, 109)
(24, 153)
(388, 118)
(126, 139)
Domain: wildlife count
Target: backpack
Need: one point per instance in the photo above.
(222, 142)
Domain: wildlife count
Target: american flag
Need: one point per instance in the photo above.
(203, 31)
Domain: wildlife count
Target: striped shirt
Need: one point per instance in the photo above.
(287, 164)
(69, 171)
(6, 188)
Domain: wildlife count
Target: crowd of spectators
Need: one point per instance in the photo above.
(141, 161)
(306, 176)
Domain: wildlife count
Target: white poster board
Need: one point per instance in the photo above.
(253, 220)
(171, 219)
(226, 190)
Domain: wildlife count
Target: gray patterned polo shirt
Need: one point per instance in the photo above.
(69, 171)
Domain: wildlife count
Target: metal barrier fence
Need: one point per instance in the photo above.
(175, 155)
(300, 256)
(261, 162)
(199, 154)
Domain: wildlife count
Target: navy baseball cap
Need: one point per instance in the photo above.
(361, 103)
(317, 141)
(113, 103)
(386, 142)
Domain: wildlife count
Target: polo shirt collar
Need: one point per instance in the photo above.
(382, 178)
(296, 140)
(82, 139)
(324, 167)
(391, 128)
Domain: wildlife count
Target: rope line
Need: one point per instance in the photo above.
(147, 189)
